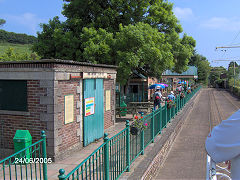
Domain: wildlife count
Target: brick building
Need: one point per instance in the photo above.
(72, 101)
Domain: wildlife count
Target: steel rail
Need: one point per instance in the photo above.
(213, 168)
(230, 100)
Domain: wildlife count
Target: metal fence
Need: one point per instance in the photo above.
(29, 163)
(215, 171)
(116, 154)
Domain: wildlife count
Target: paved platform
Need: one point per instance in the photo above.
(76, 158)
(187, 157)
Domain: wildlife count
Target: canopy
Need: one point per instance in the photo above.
(156, 86)
(165, 85)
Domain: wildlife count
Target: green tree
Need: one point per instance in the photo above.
(215, 76)
(231, 78)
(203, 66)
(94, 32)
(2, 22)
(10, 55)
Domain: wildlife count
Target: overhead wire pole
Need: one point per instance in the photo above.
(223, 47)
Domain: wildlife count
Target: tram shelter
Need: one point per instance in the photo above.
(173, 77)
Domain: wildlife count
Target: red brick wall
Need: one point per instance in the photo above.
(109, 115)
(150, 82)
(68, 132)
(25, 122)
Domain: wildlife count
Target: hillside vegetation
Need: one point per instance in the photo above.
(16, 47)
(16, 38)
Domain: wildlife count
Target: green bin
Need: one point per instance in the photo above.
(123, 110)
(21, 140)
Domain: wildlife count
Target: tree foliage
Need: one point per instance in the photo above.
(215, 75)
(10, 55)
(203, 66)
(128, 33)
(16, 38)
(2, 22)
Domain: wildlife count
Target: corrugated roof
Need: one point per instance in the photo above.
(192, 71)
(139, 74)
(58, 61)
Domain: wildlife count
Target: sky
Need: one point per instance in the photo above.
(212, 23)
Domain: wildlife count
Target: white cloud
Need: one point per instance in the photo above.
(183, 13)
(29, 20)
(222, 23)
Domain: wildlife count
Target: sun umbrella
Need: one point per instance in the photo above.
(155, 86)
(165, 85)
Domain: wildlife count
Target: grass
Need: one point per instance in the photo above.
(18, 48)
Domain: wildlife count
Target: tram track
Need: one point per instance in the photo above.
(228, 98)
(216, 114)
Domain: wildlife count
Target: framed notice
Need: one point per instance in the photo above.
(89, 106)
(108, 100)
(68, 108)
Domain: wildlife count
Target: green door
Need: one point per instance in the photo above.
(93, 124)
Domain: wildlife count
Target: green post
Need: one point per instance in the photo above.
(177, 103)
(166, 114)
(185, 98)
(160, 124)
(174, 108)
(128, 145)
(142, 142)
(106, 157)
(61, 175)
(44, 155)
(152, 125)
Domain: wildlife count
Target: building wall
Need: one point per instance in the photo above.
(31, 120)
(151, 81)
(47, 84)
(109, 116)
(69, 134)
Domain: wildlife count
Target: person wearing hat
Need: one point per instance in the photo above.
(171, 96)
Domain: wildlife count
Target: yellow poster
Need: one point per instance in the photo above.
(69, 108)
(108, 100)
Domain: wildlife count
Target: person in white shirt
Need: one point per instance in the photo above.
(223, 143)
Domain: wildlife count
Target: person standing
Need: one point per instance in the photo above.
(223, 143)
(171, 96)
(157, 96)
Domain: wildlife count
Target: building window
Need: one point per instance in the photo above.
(135, 89)
(13, 95)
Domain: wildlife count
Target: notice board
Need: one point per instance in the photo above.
(108, 100)
(69, 108)
(89, 106)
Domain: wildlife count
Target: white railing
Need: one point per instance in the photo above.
(212, 171)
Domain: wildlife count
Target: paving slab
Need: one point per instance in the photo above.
(69, 163)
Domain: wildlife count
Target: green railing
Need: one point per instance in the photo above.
(29, 163)
(116, 154)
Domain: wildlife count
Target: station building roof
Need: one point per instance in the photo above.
(190, 73)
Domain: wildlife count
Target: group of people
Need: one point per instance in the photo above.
(158, 98)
